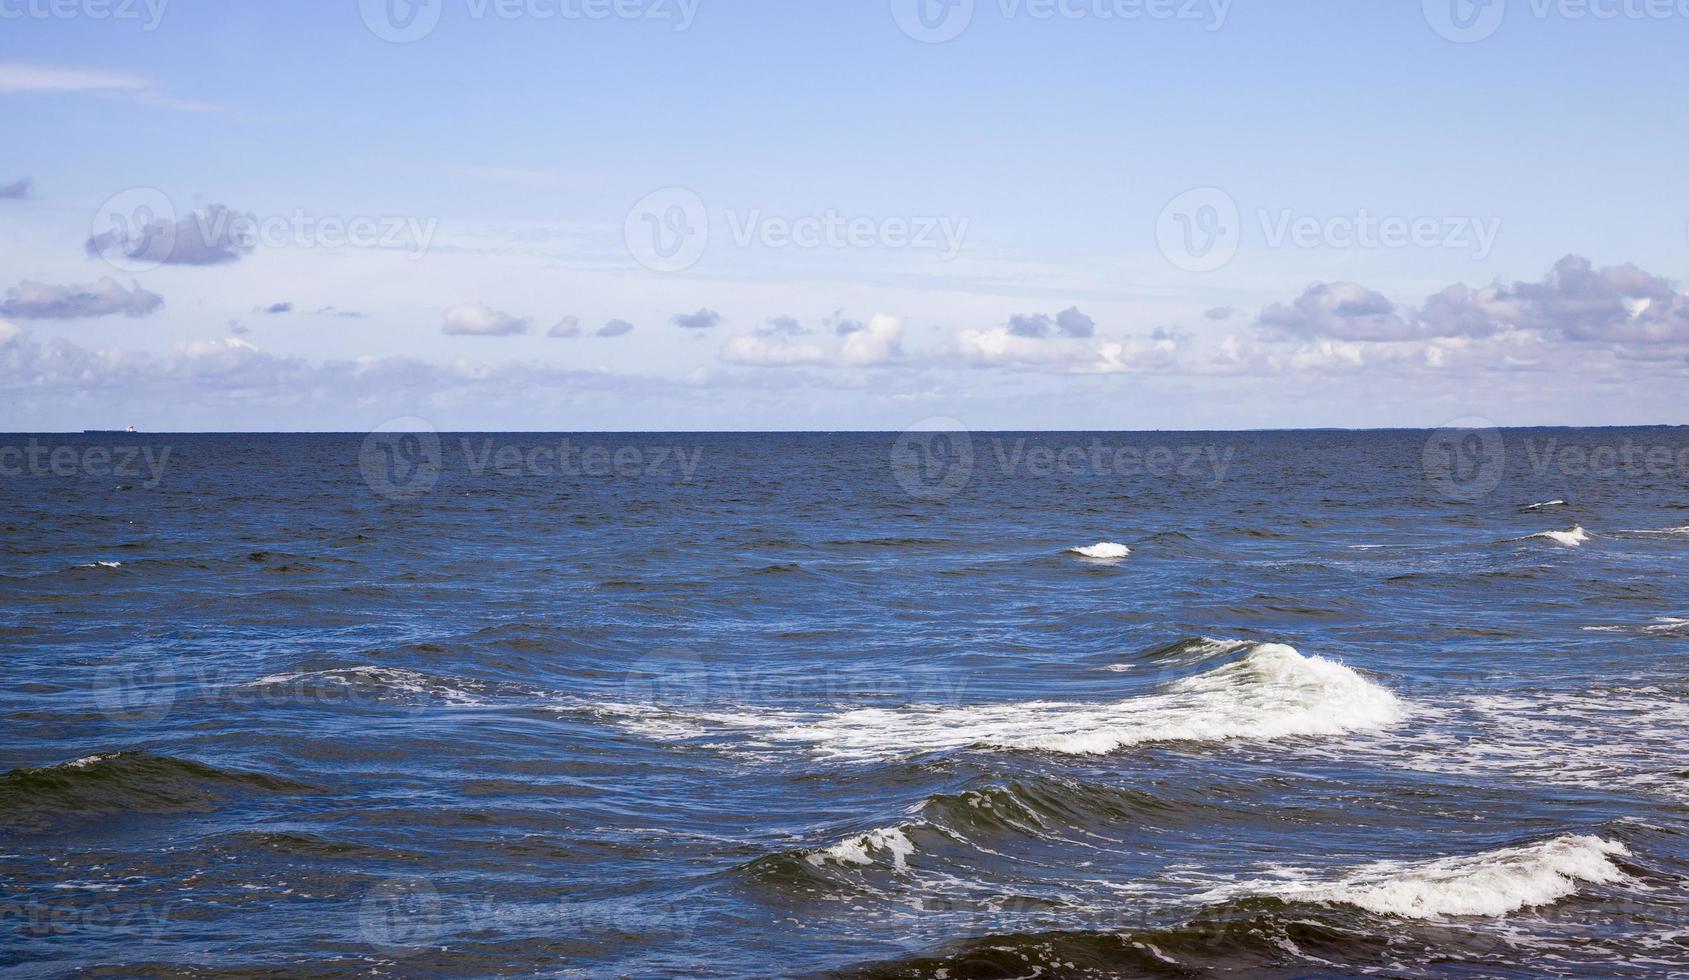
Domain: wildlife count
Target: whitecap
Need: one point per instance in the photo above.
(1571, 537)
(1272, 692)
(1546, 504)
(1491, 883)
(101, 564)
(1102, 550)
(891, 841)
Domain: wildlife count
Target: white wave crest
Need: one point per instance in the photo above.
(388, 679)
(1491, 883)
(890, 841)
(101, 564)
(1269, 693)
(1102, 549)
(1571, 537)
(1545, 504)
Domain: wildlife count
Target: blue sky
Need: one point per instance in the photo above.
(964, 194)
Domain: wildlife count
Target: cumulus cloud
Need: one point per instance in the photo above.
(17, 190)
(1004, 348)
(615, 328)
(784, 326)
(1068, 323)
(1341, 310)
(230, 381)
(785, 342)
(215, 236)
(1575, 302)
(479, 320)
(108, 297)
(569, 326)
(276, 308)
(701, 320)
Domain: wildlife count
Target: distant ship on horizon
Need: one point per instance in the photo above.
(108, 432)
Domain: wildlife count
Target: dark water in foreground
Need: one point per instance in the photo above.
(780, 705)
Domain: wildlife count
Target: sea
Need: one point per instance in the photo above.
(935, 704)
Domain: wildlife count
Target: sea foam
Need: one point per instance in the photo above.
(1271, 692)
(1491, 883)
(1102, 549)
(1571, 537)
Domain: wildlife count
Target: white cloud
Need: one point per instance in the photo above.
(1004, 348)
(19, 78)
(1575, 302)
(42, 301)
(479, 320)
(785, 343)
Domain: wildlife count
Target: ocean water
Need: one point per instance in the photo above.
(852, 705)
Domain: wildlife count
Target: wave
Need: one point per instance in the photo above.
(1571, 537)
(1662, 625)
(1545, 505)
(124, 782)
(861, 849)
(1272, 692)
(1368, 921)
(1102, 550)
(374, 682)
(1493, 883)
(1665, 530)
(101, 564)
